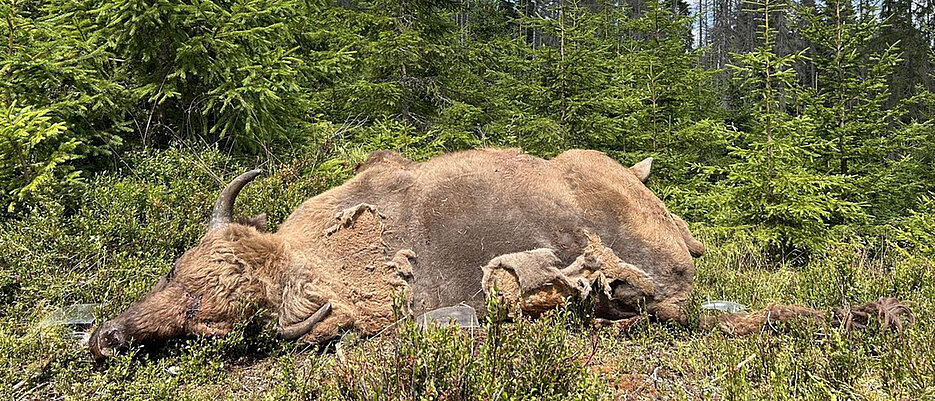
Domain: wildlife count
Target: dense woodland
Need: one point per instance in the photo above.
(797, 138)
(788, 119)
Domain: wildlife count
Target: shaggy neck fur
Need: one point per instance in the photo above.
(235, 270)
(262, 261)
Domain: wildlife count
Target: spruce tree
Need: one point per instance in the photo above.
(848, 102)
(771, 186)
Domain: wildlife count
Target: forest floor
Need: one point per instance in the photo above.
(128, 228)
(555, 357)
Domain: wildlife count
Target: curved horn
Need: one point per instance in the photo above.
(294, 331)
(224, 206)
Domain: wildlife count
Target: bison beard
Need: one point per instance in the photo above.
(410, 237)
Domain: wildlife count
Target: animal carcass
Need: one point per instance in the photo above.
(427, 235)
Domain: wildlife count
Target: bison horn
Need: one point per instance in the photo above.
(294, 331)
(224, 206)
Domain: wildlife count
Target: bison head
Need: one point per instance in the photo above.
(231, 272)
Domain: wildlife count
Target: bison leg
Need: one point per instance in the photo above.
(742, 323)
(890, 313)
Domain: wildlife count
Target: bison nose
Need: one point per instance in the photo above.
(107, 338)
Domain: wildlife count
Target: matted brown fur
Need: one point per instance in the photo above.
(529, 282)
(742, 324)
(459, 211)
(888, 312)
(360, 282)
(424, 231)
(230, 273)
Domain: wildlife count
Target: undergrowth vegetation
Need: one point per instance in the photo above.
(132, 224)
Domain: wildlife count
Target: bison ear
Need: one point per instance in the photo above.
(258, 222)
(641, 169)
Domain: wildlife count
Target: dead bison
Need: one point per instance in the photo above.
(428, 235)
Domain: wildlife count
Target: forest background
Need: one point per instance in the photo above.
(796, 136)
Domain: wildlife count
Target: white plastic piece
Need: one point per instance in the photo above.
(71, 315)
(462, 315)
(724, 306)
(77, 318)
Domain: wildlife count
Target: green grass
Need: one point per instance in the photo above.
(131, 224)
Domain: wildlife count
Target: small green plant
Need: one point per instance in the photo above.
(34, 155)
